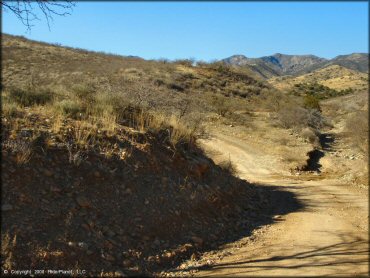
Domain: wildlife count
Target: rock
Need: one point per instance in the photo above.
(194, 257)
(197, 240)
(47, 173)
(126, 263)
(26, 133)
(6, 207)
(83, 202)
(169, 255)
(198, 167)
(82, 245)
(164, 180)
(108, 257)
(113, 242)
(119, 273)
(110, 233)
(55, 189)
(85, 226)
(108, 244)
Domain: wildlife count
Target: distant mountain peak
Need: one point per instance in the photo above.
(283, 64)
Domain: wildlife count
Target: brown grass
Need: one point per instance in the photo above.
(357, 127)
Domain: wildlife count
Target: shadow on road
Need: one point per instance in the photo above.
(349, 250)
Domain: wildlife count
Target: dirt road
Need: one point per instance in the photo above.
(328, 236)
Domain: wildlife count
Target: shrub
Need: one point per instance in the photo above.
(311, 102)
(176, 87)
(30, 96)
(219, 66)
(317, 90)
(358, 129)
(71, 108)
(10, 109)
(220, 104)
(311, 136)
(228, 166)
(185, 62)
(21, 149)
(291, 115)
(84, 92)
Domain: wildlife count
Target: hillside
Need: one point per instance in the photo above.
(25, 61)
(335, 77)
(355, 61)
(122, 166)
(281, 64)
(100, 157)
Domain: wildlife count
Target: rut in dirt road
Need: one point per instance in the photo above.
(314, 156)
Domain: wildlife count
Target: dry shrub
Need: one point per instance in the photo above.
(84, 133)
(7, 246)
(71, 108)
(30, 96)
(57, 123)
(291, 115)
(311, 136)
(358, 129)
(174, 129)
(9, 109)
(220, 104)
(228, 166)
(21, 149)
(85, 92)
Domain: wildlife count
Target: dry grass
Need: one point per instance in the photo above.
(164, 86)
(357, 127)
(228, 166)
(21, 148)
(7, 246)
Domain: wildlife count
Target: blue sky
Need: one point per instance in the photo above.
(207, 30)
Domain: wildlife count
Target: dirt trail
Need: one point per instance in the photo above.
(328, 236)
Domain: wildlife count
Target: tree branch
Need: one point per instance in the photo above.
(24, 10)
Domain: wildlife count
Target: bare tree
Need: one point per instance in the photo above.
(25, 10)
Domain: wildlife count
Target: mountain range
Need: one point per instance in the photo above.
(282, 64)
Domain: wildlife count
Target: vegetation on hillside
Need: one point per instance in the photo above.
(318, 91)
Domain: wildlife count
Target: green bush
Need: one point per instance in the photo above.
(311, 102)
(85, 92)
(71, 108)
(30, 96)
(318, 91)
(220, 104)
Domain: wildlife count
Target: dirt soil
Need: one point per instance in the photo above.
(124, 204)
(326, 235)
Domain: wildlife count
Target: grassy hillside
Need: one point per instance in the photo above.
(334, 77)
(154, 83)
